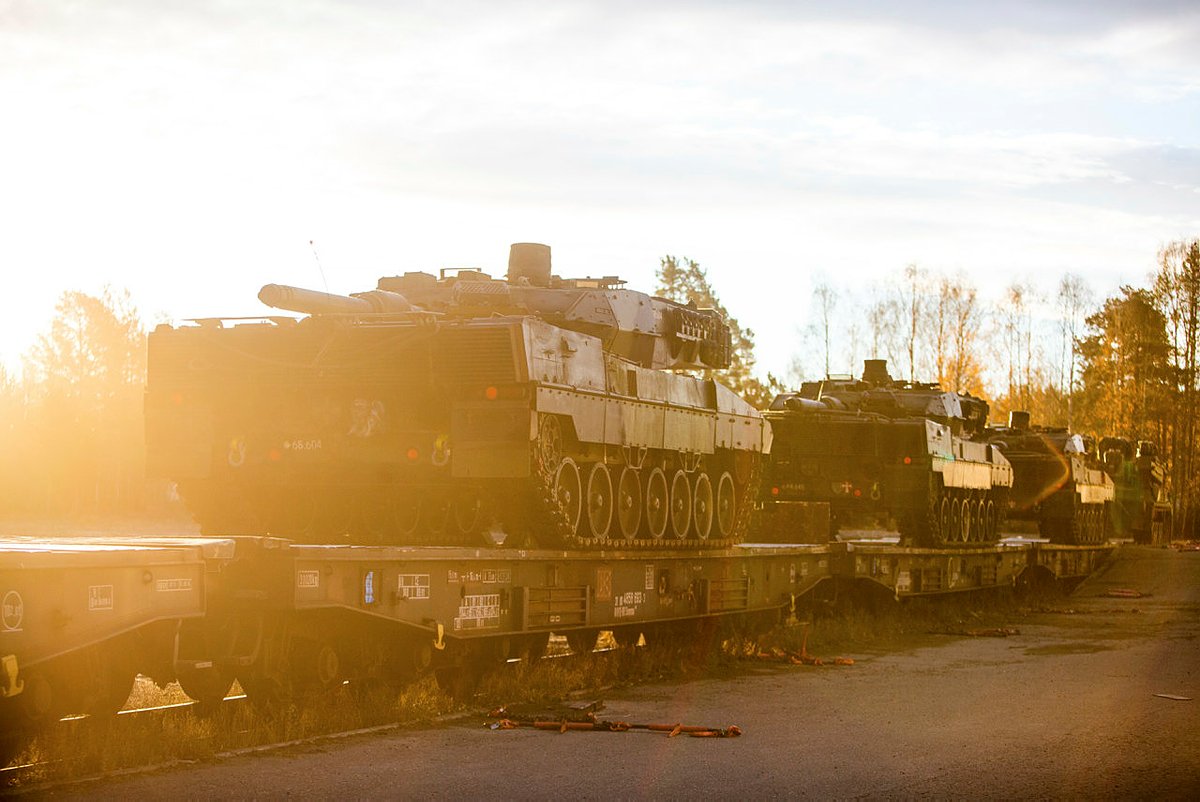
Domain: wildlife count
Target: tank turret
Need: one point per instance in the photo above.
(653, 332)
(878, 393)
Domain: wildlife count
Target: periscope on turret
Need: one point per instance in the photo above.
(459, 409)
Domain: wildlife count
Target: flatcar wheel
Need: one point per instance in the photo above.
(599, 501)
(629, 503)
(726, 505)
(702, 506)
(12, 743)
(112, 691)
(657, 506)
(267, 694)
(533, 647)
(582, 641)
(567, 493)
(459, 682)
(627, 637)
(681, 505)
(208, 687)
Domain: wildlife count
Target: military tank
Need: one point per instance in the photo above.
(897, 450)
(1141, 506)
(459, 409)
(1058, 480)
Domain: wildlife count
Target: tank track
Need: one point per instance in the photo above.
(550, 526)
(924, 527)
(1087, 526)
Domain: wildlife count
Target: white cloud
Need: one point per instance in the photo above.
(191, 153)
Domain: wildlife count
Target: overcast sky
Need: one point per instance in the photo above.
(189, 152)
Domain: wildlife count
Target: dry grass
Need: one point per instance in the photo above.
(87, 746)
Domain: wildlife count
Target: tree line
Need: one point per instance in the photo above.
(1124, 367)
(71, 427)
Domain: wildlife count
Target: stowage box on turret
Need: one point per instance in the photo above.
(1058, 480)
(900, 450)
(459, 409)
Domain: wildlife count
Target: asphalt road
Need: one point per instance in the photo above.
(1067, 708)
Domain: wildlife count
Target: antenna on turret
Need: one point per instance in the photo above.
(320, 269)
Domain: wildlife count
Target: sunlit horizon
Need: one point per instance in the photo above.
(190, 155)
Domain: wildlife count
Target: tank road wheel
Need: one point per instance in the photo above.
(303, 520)
(599, 501)
(567, 492)
(467, 512)
(967, 516)
(550, 444)
(1093, 524)
(956, 516)
(657, 506)
(406, 516)
(943, 521)
(629, 503)
(726, 506)
(435, 515)
(702, 506)
(681, 505)
(989, 521)
(374, 516)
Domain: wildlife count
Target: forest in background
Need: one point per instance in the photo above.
(71, 430)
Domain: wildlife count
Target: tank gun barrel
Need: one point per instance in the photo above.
(315, 302)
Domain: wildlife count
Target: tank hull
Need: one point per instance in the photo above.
(454, 431)
(938, 489)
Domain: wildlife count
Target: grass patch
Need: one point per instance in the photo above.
(846, 627)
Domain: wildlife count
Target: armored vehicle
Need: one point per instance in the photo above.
(1141, 508)
(1058, 480)
(459, 409)
(900, 450)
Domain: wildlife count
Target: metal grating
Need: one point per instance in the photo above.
(727, 594)
(549, 608)
(476, 355)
